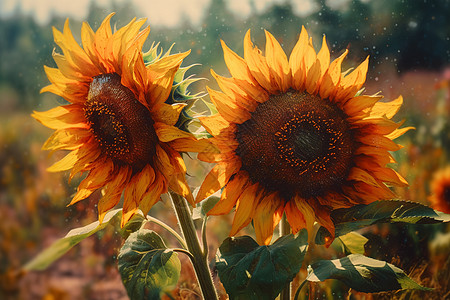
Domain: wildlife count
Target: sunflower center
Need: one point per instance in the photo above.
(296, 143)
(122, 126)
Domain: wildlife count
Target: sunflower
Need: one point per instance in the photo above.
(296, 137)
(119, 123)
(440, 191)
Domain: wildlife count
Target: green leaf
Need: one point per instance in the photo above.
(202, 208)
(63, 245)
(350, 219)
(146, 266)
(352, 242)
(250, 271)
(363, 274)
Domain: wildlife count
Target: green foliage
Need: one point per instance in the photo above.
(250, 271)
(61, 246)
(359, 216)
(363, 274)
(146, 266)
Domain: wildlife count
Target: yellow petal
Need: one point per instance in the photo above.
(192, 145)
(236, 65)
(68, 139)
(332, 78)
(398, 132)
(387, 109)
(167, 133)
(318, 69)
(214, 124)
(228, 108)
(352, 83)
(168, 114)
(88, 157)
(267, 216)
(245, 208)
(296, 60)
(60, 117)
(357, 105)
(66, 163)
(277, 62)
(257, 65)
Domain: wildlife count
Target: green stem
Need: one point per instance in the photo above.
(169, 229)
(285, 229)
(199, 261)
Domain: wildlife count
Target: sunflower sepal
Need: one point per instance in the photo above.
(363, 274)
(384, 211)
(147, 267)
(250, 271)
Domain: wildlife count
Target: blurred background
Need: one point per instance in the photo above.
(409, 47)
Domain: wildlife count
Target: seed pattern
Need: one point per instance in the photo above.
(122, 126)
(296, 143)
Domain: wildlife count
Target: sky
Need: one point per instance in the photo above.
(163, 12)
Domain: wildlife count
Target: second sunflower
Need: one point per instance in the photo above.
(296, 137)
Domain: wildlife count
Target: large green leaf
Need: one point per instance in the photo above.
(146, 265)
(363, 274)
(250, 271)
(61, 246)
(392, 211)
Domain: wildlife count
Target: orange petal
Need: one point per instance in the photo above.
(113, 192)
(245, 208)
(153, 193)
(357, 105)
(294, 216)
(217, 178)
(361, 175)
(193, 145)
(308, 213)
(230, 194)
(267, 216)
(96, 179)
(391, 176)
(379, 141)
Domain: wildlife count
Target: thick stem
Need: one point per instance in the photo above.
(285, 229)
(199, 261)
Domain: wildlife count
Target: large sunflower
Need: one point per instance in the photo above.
(296, 137)
(119, 125)
(440, 191)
